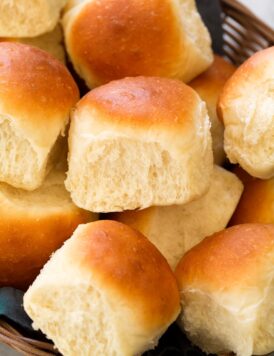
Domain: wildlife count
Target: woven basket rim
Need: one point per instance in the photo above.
(26, 346)
(264, 27)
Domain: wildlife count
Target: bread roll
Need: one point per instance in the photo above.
(28, 18)
(32, 226)
(209, 85)
(138, 142)
(247, 108)
(36, 95)
(257, 201)
(50, 42)
(227, 291)
(109, 40)
(107, 291)
(187, 224)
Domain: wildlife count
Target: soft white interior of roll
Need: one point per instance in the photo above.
(72, 332)
(264, 336)
(188, 224)
(127, 172)
(239, 320)
(249, 129)
(23, 164)
(50, 42)
(28, 18)
(213, 326)
(51, 195)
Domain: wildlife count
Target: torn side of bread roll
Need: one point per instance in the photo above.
(33, 225)
(37, 93)
(139, 142)
(28, 18)
(209, 85)
(227, 291)
(246, 106)
(106, 282)
(108, 40)
(175, 229)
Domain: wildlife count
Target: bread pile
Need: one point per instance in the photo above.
(147, 146)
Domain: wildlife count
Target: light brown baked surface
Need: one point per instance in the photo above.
(257, 202)
(228, 259)
(32, 226)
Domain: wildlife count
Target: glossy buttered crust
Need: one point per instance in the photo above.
(228, 259)
(109, 40)
(32, 226)
(36, 92)
(210, 83)
(142, 102)
(257, 202)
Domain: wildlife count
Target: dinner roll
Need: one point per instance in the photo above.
(138, 142)
(247, 108)
(109, 40)
(32, 226)
(209, 85)
(107, 291)
(257, 201)
(28, 18)
(50, 42)
(187, 224)
(227, 291)
(36, 95)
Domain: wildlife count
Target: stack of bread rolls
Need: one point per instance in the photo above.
(145, 146)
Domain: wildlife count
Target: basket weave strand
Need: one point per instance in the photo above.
(244, 33)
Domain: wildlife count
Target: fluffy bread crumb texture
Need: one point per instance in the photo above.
(29, 18)
(176, 229)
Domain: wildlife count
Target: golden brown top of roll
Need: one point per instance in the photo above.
(35, 89)
(111, 29)
(257, 202)
(229, 259)
(143, 101)
(109, 40)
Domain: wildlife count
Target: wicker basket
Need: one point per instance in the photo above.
(244, 34)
